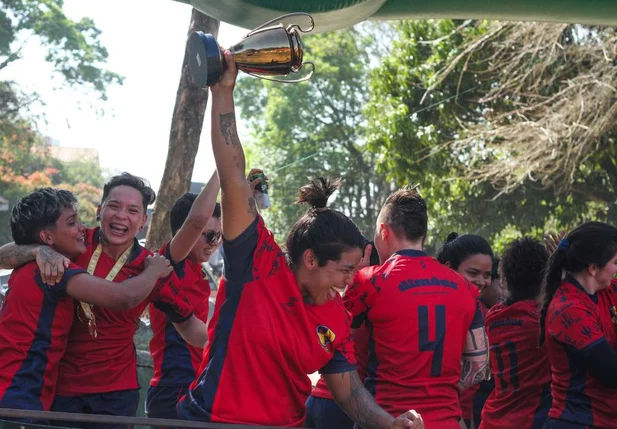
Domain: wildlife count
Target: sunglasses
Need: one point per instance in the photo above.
(212, 236)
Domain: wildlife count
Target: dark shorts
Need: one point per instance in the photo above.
(324, 413)
(118, 403)
(161, 401)
(563, 424)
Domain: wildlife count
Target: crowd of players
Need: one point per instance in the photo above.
(400, 339)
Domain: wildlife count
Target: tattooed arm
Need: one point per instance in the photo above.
(237, 202)
(50, 262)
(475, 358)
(349, 393)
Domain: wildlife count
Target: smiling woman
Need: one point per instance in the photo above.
(123, 211)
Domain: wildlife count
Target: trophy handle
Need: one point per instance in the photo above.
(280, 18)
(303, 79)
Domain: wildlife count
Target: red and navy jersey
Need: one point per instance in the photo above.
(575, 323)
(108, 362)
(175, 361)
(520, 368)
(360, 344)
(35, 320)
(264, 340)
(419, 313)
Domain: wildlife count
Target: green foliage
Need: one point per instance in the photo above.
(305, 130)
(414, 132)
(404, 121)
(73, 47)
(75, 50)
(86, 172)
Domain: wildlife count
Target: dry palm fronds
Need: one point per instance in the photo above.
(554, 93)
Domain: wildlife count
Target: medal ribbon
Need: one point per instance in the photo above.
(94, 260)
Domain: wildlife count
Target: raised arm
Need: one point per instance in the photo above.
(119, 296)
(237, 202)
(194, 331)
(199, 215)
(349, 393)
(51, 263)
(475, 358)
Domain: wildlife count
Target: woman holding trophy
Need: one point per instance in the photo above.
(281, 317)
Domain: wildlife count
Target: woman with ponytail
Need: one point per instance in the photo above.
(579, 332)
(521, 370)
(282, 317)
(472, 257)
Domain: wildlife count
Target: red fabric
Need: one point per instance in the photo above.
(35, 321)
(264, 340)
(108, 363)
(575, 323)
(360, 343)
(175, 361)
(520, 368)
(409, 303)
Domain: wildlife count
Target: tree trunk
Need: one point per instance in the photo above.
(186, 125)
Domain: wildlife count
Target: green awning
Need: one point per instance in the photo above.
(335, 14)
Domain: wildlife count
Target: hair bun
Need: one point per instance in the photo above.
(316, 193)
(451, 237)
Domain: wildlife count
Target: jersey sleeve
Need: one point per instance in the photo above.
(252, 255)
(344, 359)
(167, 297)
(177, 266)
(361, 295)
(478, 316)
(575, 325)
(59, 290)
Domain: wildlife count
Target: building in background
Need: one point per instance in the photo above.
(71, 154)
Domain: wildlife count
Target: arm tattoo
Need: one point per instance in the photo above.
(13, 255)
(475, 358)
(49, 256)
(252, 207)
(361, 406)
(228, 129)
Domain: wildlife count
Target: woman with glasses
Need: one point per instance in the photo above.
(195, 222)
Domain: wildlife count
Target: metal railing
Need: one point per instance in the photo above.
(11, 413)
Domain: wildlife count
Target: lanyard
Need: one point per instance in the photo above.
(94, 260)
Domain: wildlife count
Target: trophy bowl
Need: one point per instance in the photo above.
(269, 50)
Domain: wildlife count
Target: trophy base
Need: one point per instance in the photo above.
(205, 61)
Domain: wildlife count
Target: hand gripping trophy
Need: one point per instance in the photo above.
(269, 50)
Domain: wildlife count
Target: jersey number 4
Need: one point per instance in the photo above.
(425, 331)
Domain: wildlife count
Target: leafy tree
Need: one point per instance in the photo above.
(306, 130)
(26, 165)
(78, 56)
(429, 102)
(73, 47)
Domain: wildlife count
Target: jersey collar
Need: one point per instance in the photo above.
(411, 253)
(570, 279)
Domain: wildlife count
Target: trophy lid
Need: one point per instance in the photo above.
(205, 62)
